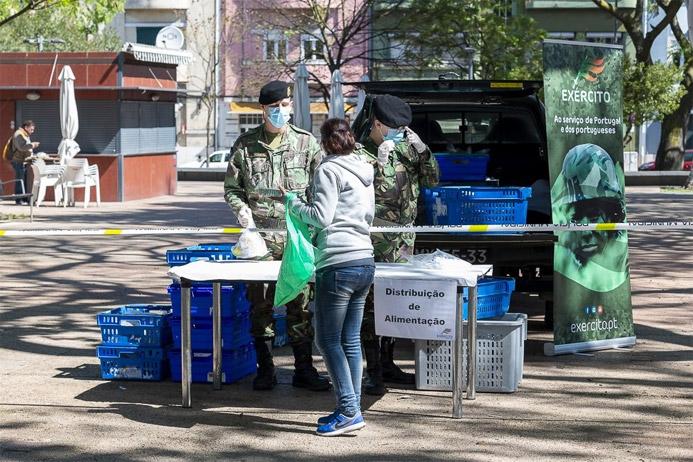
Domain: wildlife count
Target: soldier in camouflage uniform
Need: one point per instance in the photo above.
(274, 154)
(403, 164)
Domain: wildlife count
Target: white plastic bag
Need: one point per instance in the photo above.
(439, 260)
(250, 245)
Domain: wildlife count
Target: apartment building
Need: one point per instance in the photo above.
(260, 44)
(141, 22)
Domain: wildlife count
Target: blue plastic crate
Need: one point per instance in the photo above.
(217, 252)
(476, 205)
(132, 363)
(281, 333)
(235, 332)
(234, 300)
(235, 365)
(134, 325)
(459, 166)
(493, 297)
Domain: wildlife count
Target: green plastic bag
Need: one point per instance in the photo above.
(298, 263)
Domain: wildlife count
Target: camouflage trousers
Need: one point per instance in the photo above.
(387, 248)
(261, 297)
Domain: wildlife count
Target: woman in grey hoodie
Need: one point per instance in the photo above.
(341, 214)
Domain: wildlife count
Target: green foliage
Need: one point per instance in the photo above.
(79, 30)
(650, 92)
(85, 15)
(505, 46)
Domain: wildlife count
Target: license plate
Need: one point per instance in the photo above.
(476, 256)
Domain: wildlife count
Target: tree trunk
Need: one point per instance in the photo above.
(670, 150)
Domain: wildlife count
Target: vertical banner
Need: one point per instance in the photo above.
(583, 89)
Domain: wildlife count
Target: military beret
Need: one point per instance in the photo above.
(274, 91)
(391, 111)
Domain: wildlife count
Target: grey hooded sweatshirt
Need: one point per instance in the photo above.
(342, 210)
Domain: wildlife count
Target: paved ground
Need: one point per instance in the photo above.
(615, 405)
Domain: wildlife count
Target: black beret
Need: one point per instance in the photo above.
(274, 91)
(391, 111)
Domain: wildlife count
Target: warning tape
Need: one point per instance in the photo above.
(639, 226)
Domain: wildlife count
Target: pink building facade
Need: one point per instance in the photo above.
(264, 40)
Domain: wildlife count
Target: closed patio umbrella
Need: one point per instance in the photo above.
(69, 119)
(302, 99)
(336, 96)
(361, 99)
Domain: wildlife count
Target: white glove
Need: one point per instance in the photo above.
(245, 218)
(384, 151)
(415, 141)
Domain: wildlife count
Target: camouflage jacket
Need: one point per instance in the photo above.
(254, 166)
(398, 182)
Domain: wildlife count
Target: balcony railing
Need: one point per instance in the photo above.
(546, 4)
(157, 4)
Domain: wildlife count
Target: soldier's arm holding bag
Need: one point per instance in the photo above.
(234, 184)
(320, 212)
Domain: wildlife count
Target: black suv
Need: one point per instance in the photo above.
(506, 120)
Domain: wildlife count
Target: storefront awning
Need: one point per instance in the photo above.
(151, 54)
(241, 107)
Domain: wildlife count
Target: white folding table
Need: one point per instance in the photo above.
(241, 271)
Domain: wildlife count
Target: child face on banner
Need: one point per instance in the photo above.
(587, 244)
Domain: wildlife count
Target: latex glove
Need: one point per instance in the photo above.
(245, 217)
(415, 141)
(384, 151)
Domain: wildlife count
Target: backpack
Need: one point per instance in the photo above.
(7, 149)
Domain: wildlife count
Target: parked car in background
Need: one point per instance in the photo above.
(687, 162)
(647, 166)
(217, 159)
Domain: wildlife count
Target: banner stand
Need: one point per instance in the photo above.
(551, 349)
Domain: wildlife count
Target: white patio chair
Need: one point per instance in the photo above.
(79, 174)
(46, 176)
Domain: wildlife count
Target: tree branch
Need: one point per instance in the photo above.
(32, 5)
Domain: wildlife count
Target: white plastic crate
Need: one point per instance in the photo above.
(500, 357)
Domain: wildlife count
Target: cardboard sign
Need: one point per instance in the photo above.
(416, 309)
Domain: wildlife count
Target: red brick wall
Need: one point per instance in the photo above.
(6, 116)
(150, 176)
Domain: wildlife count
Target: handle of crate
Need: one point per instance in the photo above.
(130, 323)
(192, 259)
(119, 354)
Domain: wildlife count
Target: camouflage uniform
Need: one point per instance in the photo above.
(397, 185)
(254, 165)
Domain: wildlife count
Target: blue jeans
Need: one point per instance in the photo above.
(340, 294)
(20, 173)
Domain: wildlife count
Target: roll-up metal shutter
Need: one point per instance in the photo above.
(98, 124)
(148, 127)
(46, 117)
(166, 134)
(130, 127)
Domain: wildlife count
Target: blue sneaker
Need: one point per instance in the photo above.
(341, 424)
(326, 419)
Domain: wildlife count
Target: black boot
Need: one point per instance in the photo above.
(374, 385)
(266, 378)
(305, 375)
(391, 372)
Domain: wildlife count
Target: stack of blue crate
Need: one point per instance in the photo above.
(134, 342)
(238, 351)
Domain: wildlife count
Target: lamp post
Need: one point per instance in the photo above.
(40, 40)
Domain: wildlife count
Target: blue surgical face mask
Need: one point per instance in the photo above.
(278, 116)
(393, 134)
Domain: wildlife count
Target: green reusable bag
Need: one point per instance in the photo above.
(298, 263)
